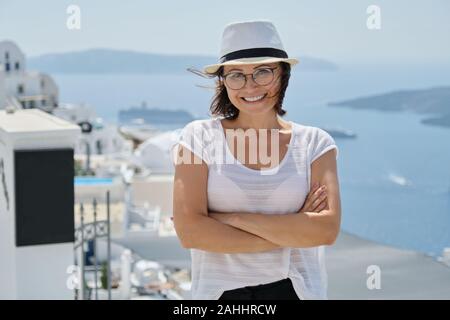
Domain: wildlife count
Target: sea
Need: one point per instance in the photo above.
(394, 177)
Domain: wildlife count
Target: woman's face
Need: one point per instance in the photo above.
(267, 95)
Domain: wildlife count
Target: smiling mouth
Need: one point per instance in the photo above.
(254, 99)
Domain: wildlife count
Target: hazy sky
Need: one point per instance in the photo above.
(412, 32)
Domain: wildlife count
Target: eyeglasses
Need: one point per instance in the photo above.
(236, 80)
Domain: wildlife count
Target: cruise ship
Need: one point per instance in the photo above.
(337, 132)
(155, 117)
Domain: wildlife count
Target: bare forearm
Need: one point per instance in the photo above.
(209, 234)
(304, 229)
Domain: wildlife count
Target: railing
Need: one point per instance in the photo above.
(91, 232)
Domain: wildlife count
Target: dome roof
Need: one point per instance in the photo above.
(154, 153)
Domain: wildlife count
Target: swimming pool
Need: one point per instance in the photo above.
(90, 180)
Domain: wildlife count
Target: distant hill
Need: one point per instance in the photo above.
(443, 121)
(154, 116)
(434, 101)
(121, 61)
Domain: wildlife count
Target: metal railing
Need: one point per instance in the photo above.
(91, 231)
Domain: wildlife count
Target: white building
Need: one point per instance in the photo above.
(103, 139)
(35, 267)
(22, 88)
(155, 153)
(2, 86)
(11, 57)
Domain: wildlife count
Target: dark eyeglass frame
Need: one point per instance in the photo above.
(224, 77)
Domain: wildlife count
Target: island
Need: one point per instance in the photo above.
(431, 101)
(100, 61)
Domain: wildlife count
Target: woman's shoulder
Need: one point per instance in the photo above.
(307, 131)
(316, 140)
(205, 123)
(312, 136)
(203, 130)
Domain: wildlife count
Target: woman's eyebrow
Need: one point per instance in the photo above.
(260, 65)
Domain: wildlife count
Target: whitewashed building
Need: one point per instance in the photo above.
(103, 139)
(2, 86)
(11, 57)
(22, 88)
(155, 153)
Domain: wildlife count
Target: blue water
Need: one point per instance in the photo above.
(85, 181)
(414, 216)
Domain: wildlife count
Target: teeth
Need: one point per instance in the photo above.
(253, 99)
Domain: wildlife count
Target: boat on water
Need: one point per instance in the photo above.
(161, 119)
(138, 132)
(338, 132)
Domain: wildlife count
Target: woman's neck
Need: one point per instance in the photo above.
(257, 122)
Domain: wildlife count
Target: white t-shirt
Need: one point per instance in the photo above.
(232, 187)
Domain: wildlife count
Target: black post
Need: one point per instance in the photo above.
(82, 262)
(95, 248)
(108, 221)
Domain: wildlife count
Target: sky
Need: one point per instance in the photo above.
(412, 32)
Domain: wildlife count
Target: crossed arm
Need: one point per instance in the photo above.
(239, 232)
(304, 229)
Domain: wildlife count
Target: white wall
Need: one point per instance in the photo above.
(157, 190)
(50, 89)
(7, 235)
(2, 89)
(33, 83)
(75, 113)
(110, 139)
(15, 55)
(31, 272)
(40, 275)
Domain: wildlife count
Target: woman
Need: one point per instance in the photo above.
(256, 224)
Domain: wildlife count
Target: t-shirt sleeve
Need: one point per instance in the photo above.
(322, 142)
(192, 137)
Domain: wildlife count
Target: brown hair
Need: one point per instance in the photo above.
(221, 104)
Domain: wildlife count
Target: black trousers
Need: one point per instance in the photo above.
(278, 290)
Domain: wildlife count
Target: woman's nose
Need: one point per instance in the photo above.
(250, 83)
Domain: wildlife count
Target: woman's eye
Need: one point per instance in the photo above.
(262, 72)
(235, 75)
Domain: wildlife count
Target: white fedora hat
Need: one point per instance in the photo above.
(250, 42)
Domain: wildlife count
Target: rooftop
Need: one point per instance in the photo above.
(32, 121)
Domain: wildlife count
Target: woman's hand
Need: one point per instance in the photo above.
(316, 200)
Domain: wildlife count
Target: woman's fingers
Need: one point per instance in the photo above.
(322, 205)
(316, 194)
(311, 195)
(320, 190)
(314, 199)
(318, 200)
